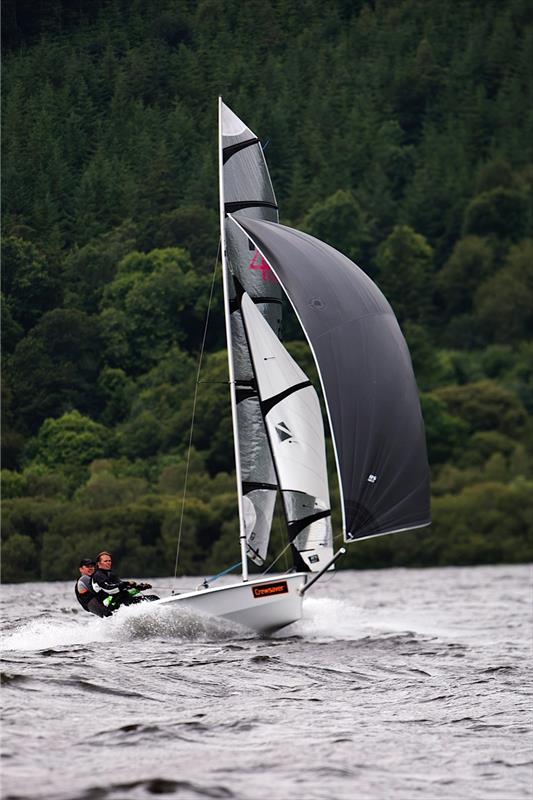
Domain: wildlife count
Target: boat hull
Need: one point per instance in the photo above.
(261, 604)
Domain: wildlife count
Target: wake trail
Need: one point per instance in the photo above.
(128, 624)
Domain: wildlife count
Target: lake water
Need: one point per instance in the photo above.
(396, 684)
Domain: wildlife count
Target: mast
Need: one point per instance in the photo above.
(231, 369)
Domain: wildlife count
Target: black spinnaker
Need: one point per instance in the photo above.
(367, 378)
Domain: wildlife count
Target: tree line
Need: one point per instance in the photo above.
(399, 131)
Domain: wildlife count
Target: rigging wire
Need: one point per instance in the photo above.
(197, 383)
(277, 559)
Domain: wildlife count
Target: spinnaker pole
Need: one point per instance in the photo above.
(303, 589)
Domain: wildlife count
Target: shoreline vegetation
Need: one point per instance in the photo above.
(400, 132)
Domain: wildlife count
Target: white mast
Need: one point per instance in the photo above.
(231, 370)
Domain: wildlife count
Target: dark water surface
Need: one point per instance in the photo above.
(396, 684)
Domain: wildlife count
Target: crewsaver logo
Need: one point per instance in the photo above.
(268, 589)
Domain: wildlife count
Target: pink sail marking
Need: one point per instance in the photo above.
(258, 262)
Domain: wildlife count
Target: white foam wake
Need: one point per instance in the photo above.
(134, 622)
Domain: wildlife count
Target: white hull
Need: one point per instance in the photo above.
(262, 604)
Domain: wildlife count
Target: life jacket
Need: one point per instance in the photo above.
(85, 598)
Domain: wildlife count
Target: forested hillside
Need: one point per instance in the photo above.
(398, 130)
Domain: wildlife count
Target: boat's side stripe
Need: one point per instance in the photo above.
(229, 208)
(297, 527)
(268, 405)
(230, 151)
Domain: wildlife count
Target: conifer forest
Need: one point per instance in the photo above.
(400, 131)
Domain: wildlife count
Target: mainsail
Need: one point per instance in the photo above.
(367, 378)
(245, 187)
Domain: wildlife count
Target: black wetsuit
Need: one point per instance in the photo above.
(105, 584)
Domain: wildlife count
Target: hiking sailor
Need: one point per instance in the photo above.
(112, 592)
(84, 591)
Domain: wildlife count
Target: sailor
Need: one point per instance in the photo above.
(84, 591)
(112, 592)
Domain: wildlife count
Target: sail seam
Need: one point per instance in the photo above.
(230, 150)
(299, 525)
(268, 405)
(235, 303)
(250, 486)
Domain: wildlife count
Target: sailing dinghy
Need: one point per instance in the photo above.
(367, 382)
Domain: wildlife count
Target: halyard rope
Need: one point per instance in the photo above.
(194, 409)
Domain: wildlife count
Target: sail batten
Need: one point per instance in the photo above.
(231, 149)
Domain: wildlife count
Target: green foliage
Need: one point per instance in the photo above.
(499, 212)
(55, 367)
(117, 391)
(469, 264)
(484, 406)
(105, 490)
(12, 332)
(30, 285)
(155, 301)
(408, 289)
(19, 559)
(71, 440)
(430, 368)
(12, 484)
(90, 268)
(193, 227)
(339, 221)
(400, 132)
(130, 533)
(504, 302)
(445, 432)
(35, 481)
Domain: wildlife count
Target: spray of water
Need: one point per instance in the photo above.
(134, 622)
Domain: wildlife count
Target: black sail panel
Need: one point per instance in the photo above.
(367, 378)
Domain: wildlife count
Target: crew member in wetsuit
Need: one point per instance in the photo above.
(84, 592)
(105, 584)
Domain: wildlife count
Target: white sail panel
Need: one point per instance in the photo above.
(294, 424)
(297, 440)
(294, 420)
(231, 124)
(275, 370)
(314, 543)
